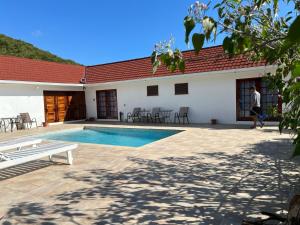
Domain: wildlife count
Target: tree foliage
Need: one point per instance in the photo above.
(165, 53)
(260, 30)
(13, 47)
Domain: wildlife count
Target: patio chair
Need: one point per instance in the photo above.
(25, 118)
(17, 122)
(2, 126)
(135, 115)
(182, 114)
(31, 154)
(155, 115)
(19, 143)
(5, 124)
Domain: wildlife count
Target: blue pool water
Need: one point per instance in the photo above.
(112, 136)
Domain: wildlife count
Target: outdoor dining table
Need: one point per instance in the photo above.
(144, 115)
(166, 115)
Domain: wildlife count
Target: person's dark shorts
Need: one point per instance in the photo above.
(255, 110)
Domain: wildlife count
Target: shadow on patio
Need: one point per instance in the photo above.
(24, 168)
(210, 188)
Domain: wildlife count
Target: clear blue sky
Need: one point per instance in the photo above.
(95, 31)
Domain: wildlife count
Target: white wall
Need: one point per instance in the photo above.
(211, 95)
(18, 98)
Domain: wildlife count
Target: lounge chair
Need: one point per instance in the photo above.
(19, 143)
(182, 114)
(155, 115)
(31, 154)
(135, 115)
(25, 118)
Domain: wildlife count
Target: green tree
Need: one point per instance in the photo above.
(258, 29)
(18, 48)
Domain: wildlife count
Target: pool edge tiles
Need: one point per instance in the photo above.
(175, 129)
(113, 136)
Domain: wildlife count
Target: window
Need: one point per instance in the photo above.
(152, 90)
(181, 89)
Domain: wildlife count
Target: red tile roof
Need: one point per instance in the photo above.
(209, 59)
(22, 69)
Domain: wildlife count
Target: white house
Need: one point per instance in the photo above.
(213, 86)
(45, 90)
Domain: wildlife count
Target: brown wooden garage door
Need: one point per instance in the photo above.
(63, 106)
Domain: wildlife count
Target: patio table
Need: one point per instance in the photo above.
(166, 115)
(143, 115)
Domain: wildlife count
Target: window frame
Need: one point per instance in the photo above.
(149, 93)
(107, 104)
(181, 93)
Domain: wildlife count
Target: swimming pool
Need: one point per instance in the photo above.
(112, 136)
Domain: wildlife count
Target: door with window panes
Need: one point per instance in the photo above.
(270, 103)
(107, 106)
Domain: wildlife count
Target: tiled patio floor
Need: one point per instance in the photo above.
(204, 175)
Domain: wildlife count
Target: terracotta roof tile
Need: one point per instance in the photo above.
(22, 69)
(209, 59)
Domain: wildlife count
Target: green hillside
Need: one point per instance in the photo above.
(13, 47)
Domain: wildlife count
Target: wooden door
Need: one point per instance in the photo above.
(50, 108)
(68, 115)
(63, 106)
(80, 106)
(107, 105)
(101, 105)
(112, 104)
(76, 109)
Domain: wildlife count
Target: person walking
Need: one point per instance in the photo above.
(255, 108)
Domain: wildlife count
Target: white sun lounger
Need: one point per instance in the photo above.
(19, 143)
(34, 153)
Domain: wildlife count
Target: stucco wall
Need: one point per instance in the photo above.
(17, 98)
(211, 95)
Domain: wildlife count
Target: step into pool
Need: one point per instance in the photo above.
(112, 136)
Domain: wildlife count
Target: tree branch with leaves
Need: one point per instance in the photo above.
(258, 29)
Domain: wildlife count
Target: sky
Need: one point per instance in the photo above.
(96, 31)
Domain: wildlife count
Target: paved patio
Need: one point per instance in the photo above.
(204, 175)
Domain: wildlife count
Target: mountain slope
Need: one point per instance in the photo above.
(13, 47)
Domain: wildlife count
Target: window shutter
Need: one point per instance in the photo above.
(152, 90)
(181, 89)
